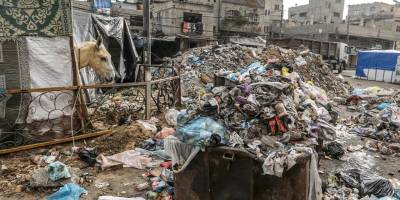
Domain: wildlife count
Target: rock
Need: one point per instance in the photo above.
(3, 168)
(36, 159)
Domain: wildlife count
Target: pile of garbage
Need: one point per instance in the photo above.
(378, 118)
(199, 66)
(116, 108)
(256, 100)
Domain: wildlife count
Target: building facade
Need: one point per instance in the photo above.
(317, 12)
(376, 15)
(201, 22)
(241, 17)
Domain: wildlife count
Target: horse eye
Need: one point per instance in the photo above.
(104, 59)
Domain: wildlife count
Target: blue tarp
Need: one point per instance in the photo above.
(378, 59)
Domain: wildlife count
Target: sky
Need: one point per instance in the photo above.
(291, 3)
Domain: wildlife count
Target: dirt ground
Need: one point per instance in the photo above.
(122, 181)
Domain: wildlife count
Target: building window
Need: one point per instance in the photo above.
(325, 18)
(338, 1)
(392, 9)
(253, 17)
(265, 29)
(192, 17)
(267, 12)
(303, 14)
(232, 13)
(214, 29)
(277, 7)
(398, 29)
(372, 8)
(336, 14)
(136, 20)
(292, 15)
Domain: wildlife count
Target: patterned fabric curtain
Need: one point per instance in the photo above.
(35, 18)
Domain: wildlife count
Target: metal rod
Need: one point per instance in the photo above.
(115, 85)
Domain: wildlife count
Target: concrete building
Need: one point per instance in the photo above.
(358, 36)
(317, 12)
(208, 20)
(132, 11)
(191, 19)
(273, 14)
(241, 17)
(376, 15)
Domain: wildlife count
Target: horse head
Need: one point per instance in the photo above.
(96, 56)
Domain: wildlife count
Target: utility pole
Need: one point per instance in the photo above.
(281, 23)
(147, 61)
(348, 29)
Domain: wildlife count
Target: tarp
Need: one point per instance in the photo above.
(116, 37)
(378, 60)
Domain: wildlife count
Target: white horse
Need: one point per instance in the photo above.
(94, 55)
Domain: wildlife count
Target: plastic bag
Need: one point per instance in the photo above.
(148, 125)
(58, 170)
(334, 149)
(285, 71)
(171, 116)
(202, 131)
(70, 191)
(367, 184)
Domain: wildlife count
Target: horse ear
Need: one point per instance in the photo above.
(98, 42)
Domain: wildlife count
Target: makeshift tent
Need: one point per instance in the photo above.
(117, 39)
(379, 65)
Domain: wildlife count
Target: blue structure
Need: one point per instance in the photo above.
(378, 65)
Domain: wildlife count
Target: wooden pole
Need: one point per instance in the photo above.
(83, 113)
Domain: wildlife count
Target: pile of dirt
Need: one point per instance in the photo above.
(122, 138)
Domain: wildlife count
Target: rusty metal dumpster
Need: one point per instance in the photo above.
(224, 173)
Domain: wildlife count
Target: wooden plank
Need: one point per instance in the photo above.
(53, 142)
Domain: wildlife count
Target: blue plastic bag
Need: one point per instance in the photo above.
(200, 131)
(257, 67)
(383, 106)
(70, 191)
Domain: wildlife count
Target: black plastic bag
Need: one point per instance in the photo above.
(334, 149)
(88, 156)
(366, 183)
